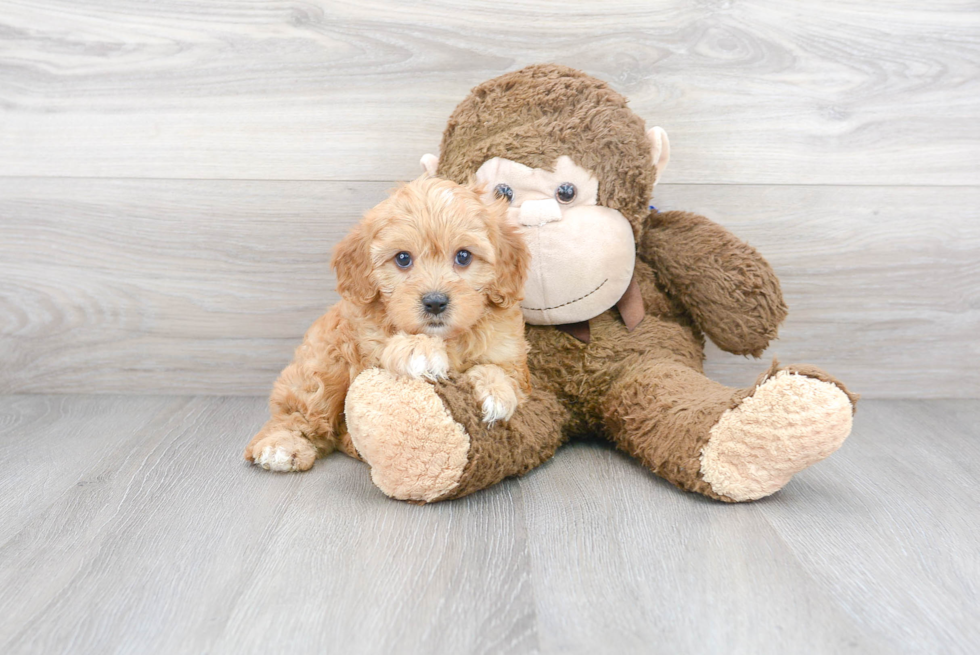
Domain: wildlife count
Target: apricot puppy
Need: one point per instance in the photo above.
(430, 284)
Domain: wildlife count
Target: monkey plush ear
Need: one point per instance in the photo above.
(352, 262)
(661, 150)
(430, 163)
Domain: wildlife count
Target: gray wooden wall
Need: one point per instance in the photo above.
(174, 174)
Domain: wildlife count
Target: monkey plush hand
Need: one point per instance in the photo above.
(618, 302)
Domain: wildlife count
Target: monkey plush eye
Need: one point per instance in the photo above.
(504, 191)
(403, 259)
(464, 257)
(565, 193)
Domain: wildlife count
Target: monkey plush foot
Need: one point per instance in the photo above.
(790, 422)
(401, 428)
(429, 442)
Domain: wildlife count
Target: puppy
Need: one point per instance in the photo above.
(430, 284)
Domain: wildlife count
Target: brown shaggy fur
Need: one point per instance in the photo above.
(380, 321)
(505, 449)
(645, 390)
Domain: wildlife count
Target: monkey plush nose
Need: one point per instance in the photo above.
(535, 213)
(435, 303)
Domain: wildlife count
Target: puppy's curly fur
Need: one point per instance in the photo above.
(413, 302)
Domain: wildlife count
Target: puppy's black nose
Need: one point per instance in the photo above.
(435, 303)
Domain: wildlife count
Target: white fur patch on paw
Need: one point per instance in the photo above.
(281, 450)
(790, 422)
(498, 409)
(434, 366)
(280, 459)
(416, 356)
(495, 391)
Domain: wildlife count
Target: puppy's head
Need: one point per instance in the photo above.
(435, 256)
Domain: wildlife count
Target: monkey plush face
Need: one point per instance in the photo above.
(582, 254)
(578, 167)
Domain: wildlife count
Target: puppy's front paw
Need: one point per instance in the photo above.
(496, 392)
(499, 408)
(416, 356)
(281, 451)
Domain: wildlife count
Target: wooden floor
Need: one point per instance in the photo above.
(131, 525)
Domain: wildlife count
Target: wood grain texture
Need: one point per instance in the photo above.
(154, 286)
(54, 456)
(164, 278)
(174, 545)
(883, 284)
(871, 551)
(829, 92)
(177, 546)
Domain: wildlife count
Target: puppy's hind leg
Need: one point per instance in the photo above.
(306, 406)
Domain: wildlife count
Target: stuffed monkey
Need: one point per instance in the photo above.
(617, 305)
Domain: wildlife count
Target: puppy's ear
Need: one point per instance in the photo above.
(352, 262)
(513, 258)
(477, 188)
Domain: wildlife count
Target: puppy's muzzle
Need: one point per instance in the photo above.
(435, 303)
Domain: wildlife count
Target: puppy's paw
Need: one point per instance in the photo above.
(499, 408)
(496, 392)
(281, 451)
(416, 356)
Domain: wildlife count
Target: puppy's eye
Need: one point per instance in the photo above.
(464, 257)
(403, 259)
(565, 193)
(504, 191)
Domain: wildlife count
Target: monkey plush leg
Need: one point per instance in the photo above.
(427, 443)
(729, 444)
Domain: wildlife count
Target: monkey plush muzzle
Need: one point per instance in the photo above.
(582, 254)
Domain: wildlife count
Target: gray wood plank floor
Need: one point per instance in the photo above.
(131, 525)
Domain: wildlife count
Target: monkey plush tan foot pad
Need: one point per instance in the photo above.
(401, 428)
(790, 422)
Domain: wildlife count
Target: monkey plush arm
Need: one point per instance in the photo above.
(730, 290)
